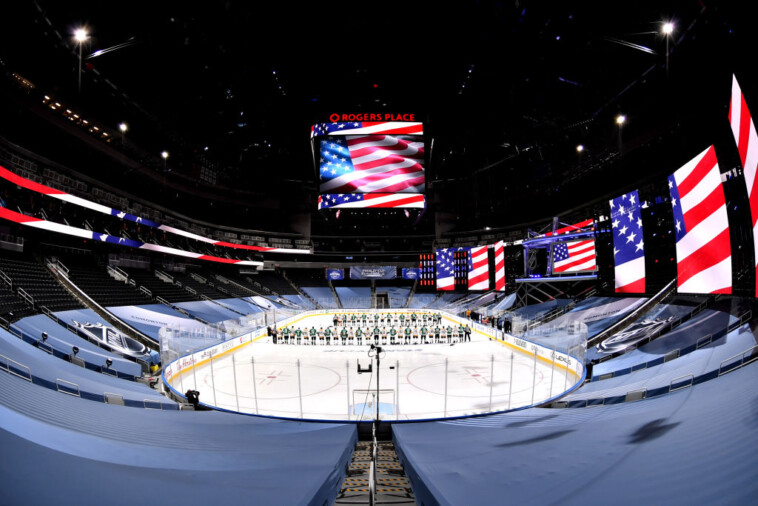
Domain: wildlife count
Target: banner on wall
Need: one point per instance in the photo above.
(411, 273)
(373, 272)
(335, 274)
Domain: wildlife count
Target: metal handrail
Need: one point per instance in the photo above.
(145, 291)
(671, 384)
(24, 295)
(8, 281)
(73, 386)
(702, 341)
(8, 369)
(742, 360)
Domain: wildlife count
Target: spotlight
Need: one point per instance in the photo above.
(80, 35)
(620, 119)
(580, 148)
(164, 154)
(123, 127)
(668, 28)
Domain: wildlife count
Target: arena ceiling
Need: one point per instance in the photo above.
(507, 90)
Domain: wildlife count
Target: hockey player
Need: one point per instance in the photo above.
(359, 336)
(393, 334)
(298, 334)
(328, 335)
(424, 331)
(377, 333)
(343, 334)
(286, 335)
(351, 336)
(321, 335)
(363, 319)
(437, 334)
(449, 334)
(413, 318)
(384, 336)
(313, 333)
(407, 335)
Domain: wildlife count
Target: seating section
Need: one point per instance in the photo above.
(273, 281)
(322, 295)
(209, 311)
(536, 311)
(201, 288)
(61, 342)
(105, 290)
(398, 295)
(689, 447)
(243, 306)
(44, 369)
(358, 297)
(301, 301)
(445, 300)
(98, 453)
(11, 306)
(160, 288)
(422, 300)
(37, 281)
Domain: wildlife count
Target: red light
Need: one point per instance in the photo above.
(376, 85)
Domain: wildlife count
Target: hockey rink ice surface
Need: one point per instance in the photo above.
(413, 385)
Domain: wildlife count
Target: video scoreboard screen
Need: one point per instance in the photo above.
(373, 164)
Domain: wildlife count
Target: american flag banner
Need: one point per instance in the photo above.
(574, 256)
(59, 228)
(371, 200)
(446, 265)
(371, 164)
(94, 206)
(499, 266)
(368, 127)
(628, 247)
(703, 248)
(478, 268)
(576, 227)
(746, 138)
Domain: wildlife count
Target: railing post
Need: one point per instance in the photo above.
(510, 384)
(299, 388)
(492, 377)
(255, 389)
(347, 377)
(552, 371)
(534, 375)
(234, 372)
(397, 389)
(213, 383)
(445, 410)
(194, 374)
(566, 378)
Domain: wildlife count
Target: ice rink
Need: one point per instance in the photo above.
(416, 381)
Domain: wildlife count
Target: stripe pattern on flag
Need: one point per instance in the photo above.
(478, 268)
(743, 129)
(703, 248)
(576, 227)
(628, 246)
(574, 256)
(368, 127)
(499, 266)
(371, 200)
(371, 164)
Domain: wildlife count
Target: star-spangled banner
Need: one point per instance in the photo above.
(445, 268)
(368, 127)
(371, 200)
(743, 129)
(72, 199)
(574, 256)
(703, 248)
(478, 268)
(371, 164)
(499, 266)
(628, 246)
(50, 226)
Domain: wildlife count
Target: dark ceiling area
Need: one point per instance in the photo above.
(507, 91)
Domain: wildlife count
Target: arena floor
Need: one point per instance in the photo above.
(482, 376)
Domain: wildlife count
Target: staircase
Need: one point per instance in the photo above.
(391, 485)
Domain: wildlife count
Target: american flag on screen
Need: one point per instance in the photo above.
(371, 164)
(368, 127)
(478, 268)
(446, 268)
(574, 256)
(628, 247)
(370, 200)
(703, 249)
(499, 266)
(746, 138)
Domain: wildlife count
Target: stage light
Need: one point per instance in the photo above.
(164, 154)
(80, 35)
(620, 119)
(579, 148)
(668, 28)
(123, 127)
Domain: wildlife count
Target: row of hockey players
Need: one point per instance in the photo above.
(350, 335)
(391, 319)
